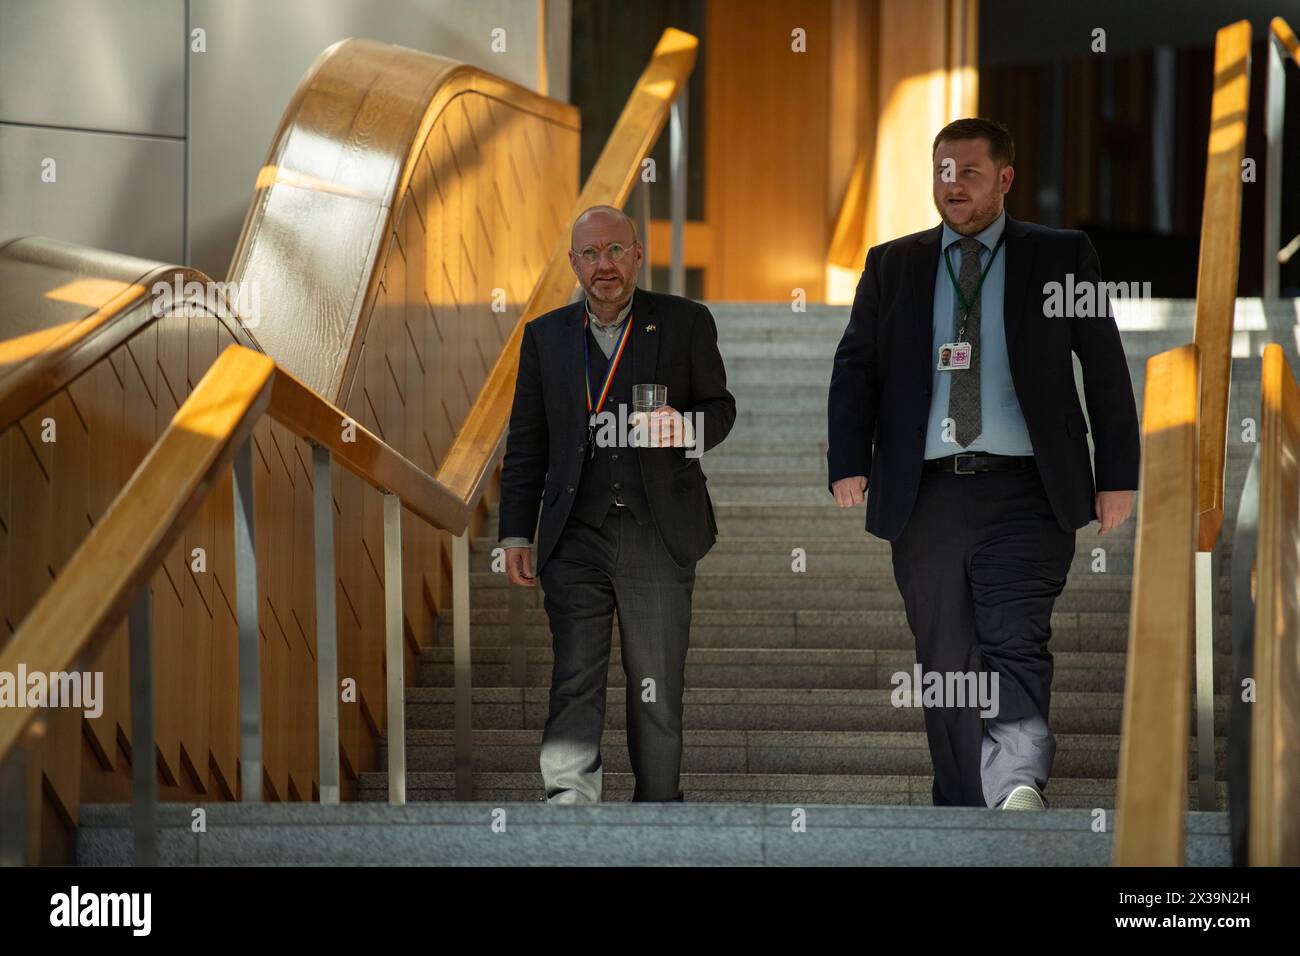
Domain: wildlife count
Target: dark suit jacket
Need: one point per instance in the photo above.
(675, 344)
(880, 387)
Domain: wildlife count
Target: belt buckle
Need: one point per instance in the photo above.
(956, 463)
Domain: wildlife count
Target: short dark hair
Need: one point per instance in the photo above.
(1002, 149)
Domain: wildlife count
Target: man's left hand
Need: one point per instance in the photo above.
(1113, 509)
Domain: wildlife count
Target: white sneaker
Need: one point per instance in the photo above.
(1024, 797)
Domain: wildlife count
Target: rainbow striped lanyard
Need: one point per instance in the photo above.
(609, 372)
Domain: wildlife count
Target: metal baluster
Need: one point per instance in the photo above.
(394, 650)
(1274, 106)
(1207, 798)
(461, 665)
(250, 644)
(144, 762)
(642, 217)
(14, 805)
(1244, 540)
(327, 633)
(677, 142)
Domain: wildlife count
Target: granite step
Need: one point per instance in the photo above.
(1090, 631)
(767, 751)
(761, 708)
(808, 669)
(761, 788)
(701, 834)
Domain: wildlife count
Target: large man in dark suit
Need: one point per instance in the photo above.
(977, 466)
(621, 527)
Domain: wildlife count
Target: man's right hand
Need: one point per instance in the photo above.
(519, 566)
(849, 491)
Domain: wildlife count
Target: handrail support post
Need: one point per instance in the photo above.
(327, 633)
(144, 763)
(250, 642)
(1274, 107)
(1207, 798)
(460, 610)
(395, 654)
(677, 144)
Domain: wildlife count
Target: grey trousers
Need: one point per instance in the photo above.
(594, 573)
(1013, 753)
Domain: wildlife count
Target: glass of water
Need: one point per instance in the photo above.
(645, 399)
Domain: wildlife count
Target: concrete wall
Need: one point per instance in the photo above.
(156, 146)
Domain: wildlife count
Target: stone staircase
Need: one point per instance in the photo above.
(788, 675)
(788, 681)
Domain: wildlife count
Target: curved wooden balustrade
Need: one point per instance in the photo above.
(1274, 834)
(1151, 793)
(98, 355)
(374, 136)
(65, 307)
(469, 209)
(404, 200)
(76, 615)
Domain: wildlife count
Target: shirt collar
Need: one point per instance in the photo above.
(989, 236)
(622, 315)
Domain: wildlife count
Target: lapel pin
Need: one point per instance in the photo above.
(651, 328)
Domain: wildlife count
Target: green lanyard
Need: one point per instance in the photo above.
(956, 288)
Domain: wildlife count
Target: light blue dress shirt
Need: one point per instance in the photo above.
(1004, 424)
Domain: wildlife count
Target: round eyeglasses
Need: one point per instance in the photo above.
(615, 251)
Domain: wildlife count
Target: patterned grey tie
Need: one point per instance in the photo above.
(964, 397)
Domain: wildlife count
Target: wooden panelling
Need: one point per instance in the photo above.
(765, 170)
(401, 192)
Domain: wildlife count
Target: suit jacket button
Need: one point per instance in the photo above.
(570, 489)
(921, 432)
(617, 485)
(613, 457)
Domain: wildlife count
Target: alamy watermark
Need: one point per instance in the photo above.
(946, 689)
(82, 690)
(228, 300)
(624, 429)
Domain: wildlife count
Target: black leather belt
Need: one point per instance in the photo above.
(976, 462)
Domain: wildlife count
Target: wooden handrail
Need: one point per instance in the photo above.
(1274, 834)
(94, 590)
(363, 453)
(1151, 792)
(851, 223)
(64, 307)
(1216, 279)
(478, 443)
(345, 152)
(86, 601)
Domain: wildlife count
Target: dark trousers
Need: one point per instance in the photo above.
(980, 564)
(594, 573)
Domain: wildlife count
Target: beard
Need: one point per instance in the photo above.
(979, 220)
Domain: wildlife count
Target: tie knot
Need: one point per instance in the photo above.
(970, 246)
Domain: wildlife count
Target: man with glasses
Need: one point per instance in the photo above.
(621, 527)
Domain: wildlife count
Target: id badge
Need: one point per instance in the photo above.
(953, 356)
